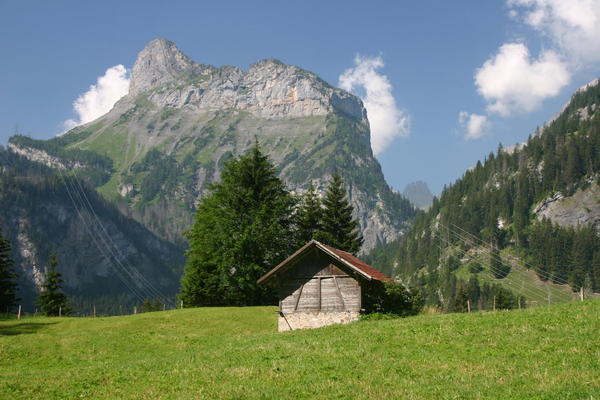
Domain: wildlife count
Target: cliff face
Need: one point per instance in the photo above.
(169, 137)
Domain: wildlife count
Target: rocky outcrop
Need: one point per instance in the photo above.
(581, 209)
(43, 157)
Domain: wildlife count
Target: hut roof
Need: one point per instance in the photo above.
(347, 259)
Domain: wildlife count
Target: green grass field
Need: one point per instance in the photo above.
(235, 353)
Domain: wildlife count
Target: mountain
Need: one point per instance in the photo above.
(419, 194)
(105, 258)
(526, 220)
(156, 152)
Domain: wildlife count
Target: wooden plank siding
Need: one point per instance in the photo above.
(314, 284)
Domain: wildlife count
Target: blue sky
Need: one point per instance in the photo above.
(431, 51)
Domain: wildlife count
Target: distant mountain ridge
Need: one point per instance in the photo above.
(161, 145)
(419, 194)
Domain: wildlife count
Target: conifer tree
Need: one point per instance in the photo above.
(309, 216)
(52, 300)
(8, 285)
(339, 229)
(241, 230)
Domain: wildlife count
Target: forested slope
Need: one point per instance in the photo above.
(105, 258)
(492, 218)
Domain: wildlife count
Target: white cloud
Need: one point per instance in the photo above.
(386, 119)
(511, 81)
(101, 97)
(475, 125)
(572, 25)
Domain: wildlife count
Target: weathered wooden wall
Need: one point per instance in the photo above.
(316, 284)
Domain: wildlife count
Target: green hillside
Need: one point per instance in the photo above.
(528, 213)
(541, 353)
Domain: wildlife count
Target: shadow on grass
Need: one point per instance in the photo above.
(23, 328)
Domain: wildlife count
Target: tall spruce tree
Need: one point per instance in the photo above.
(309, 216)
(8, 277)
(241, 230)
(52, 300)
(339, 229)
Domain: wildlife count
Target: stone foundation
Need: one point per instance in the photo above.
(306, 320)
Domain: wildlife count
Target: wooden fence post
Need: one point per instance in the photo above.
(469, 306)
(494, 302)
(134, 310)
(19, 313)
(59, 311)
(581, 293)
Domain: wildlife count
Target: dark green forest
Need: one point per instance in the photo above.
(43, 212)
(493, 205)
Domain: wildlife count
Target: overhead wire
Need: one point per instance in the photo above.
(531, 289)
(133, 290)
(152, 289)
(546, 275)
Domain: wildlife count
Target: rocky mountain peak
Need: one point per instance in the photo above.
(158, 63)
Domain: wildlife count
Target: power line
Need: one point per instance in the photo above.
(134, 290)
(152, 289)
(531, 288)
(545, 274)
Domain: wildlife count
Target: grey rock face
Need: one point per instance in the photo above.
(160, 62)
(269, 89)
(581, 209)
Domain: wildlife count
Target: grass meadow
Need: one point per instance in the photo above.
(235, 353)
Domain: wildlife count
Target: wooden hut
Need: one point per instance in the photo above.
(319, 285)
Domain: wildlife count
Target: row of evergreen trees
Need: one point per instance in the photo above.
(249, 224)
(51, 300)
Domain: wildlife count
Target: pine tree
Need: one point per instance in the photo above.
(339, 229)
(8, 285)
(241, 230)
(52, 300)
(309, 216)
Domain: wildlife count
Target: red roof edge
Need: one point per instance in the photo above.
(359, 264)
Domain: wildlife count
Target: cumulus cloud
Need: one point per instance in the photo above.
(475, 125)
(573, 26)
(511, 81)
(101, 97)
(387, 120)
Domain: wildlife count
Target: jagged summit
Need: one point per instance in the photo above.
(158, 63)
(268, 89)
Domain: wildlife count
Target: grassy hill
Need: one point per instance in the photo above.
(546, 353)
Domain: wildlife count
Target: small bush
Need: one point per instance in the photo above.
(392, 298)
